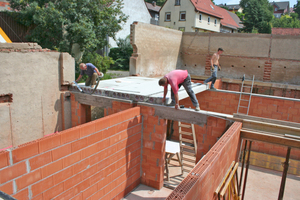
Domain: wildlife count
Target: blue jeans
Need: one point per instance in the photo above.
(213, 77)
(188, 88)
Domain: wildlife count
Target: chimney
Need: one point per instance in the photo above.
(154, 3)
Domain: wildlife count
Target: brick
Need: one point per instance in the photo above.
(77, 145)
(78, 197)
(21, 195)
(12, 172)
(82, 186)
(56, 190)
(71, 159)
(24, 152)
(72, 181)
(4, 158)
(66, 195)
(52, 168)
(70, 135)
(40, 160)
(38, 197)
(42, 186)
(89, 191)
(50, 142)
(28, 179)
(87, 152)
(7, 188)
(87, 129)
(61, 152)
(95, 138)
(63, 175)
(90, 171)
(80, 166)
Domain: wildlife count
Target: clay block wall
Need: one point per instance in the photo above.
(153, 143)
(271, 58)
(266, 107)
(97, 160)
(282, 91)
(210, 170)
(35, 78)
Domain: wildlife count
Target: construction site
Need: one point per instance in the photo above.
(243, 143)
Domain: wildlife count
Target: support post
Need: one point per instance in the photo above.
(242, 170)
(284, 174)
(246, 172)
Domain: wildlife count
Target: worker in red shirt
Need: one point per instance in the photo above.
(177, 78)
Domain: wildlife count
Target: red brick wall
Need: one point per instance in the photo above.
(279, 109)
(209, 171)
(153, 147)
(98, 159)
(154, 139)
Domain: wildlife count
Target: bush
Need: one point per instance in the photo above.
(121, 54)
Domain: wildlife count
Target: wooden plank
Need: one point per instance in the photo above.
(266, 120)
(254, 135)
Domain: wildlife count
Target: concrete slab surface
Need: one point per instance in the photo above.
(262, 184)
(141, 89)
(146, 192)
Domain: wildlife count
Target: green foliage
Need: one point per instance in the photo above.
(121, 54)
(158, 2)
(297, 9)
(240, 15)
(287, 21)
(223, 6)
(60, 24)
(258, 15)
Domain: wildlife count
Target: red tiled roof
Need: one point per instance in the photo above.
(206, 6)
(151, 7)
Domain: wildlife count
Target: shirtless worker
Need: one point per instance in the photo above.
(214, 67)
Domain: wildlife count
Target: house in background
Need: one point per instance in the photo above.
(196, 16)
(4, 5)
(154, 12)
(232, 7)
(280, 8)
(136, 10)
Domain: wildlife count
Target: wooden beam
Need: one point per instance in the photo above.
(255, 135)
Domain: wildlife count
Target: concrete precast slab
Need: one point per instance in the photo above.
(140, 89)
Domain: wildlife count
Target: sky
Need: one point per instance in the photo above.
(217, 2)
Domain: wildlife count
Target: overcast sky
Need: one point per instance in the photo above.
(217, 2)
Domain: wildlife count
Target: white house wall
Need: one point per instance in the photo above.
(192, 17)
(136, 10)
(204, 25)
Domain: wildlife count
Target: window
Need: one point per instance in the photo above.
(182, 16)
(168, 16)
(181, 29)
(177, 2)
(208, 20)
(215, 21)
(276, 9)
(200, 17)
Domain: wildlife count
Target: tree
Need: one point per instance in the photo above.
(121, 54)
(297, 8)
(58, 24)
(287, 21)
(258, 14)
(158, 2)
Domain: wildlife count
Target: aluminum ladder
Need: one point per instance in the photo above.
(243, 95)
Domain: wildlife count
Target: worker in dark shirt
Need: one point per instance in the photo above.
(92, 72)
